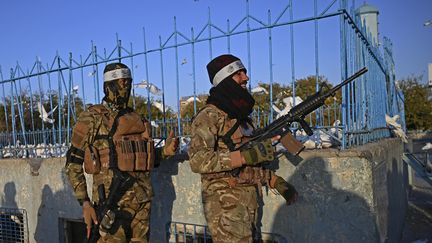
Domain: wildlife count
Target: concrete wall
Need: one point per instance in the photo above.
(41, 188)
(350, 196)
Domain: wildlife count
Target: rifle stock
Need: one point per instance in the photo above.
(281, 126)
(121, 181)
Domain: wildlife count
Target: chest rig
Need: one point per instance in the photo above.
(122, 142)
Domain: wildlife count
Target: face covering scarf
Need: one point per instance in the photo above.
(116, 95)
(230, 97)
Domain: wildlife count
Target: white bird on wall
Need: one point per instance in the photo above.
(151, 87)
(45, 115)
(396, 127)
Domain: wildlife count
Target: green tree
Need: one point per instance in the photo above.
(418, 109)
(188, 110)
(141, 108)
(307, 86)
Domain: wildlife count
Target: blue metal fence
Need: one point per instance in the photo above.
(68, 85)
(186, 232)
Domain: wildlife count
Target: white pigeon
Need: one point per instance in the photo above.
(259, 90)
(158, 105)
(325, 141)
(191, 99)
(40, 148)
(289, 104)
(45, 115)
(336, 131)
(427, 146)
(396, 127)
(289, 101)
(154, 124)
(75, 89)
(309, 144)
(151, 87)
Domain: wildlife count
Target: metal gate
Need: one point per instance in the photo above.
(68, 85)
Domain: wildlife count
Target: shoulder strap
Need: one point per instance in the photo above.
(226, 138)
(112, 152)
(100, 110)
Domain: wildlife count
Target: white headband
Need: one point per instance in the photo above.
(117, 74)
(227, 71)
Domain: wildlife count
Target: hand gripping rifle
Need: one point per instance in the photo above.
(281, 126)
(106, 207)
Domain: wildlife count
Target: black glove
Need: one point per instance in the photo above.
(258, 153)
(286, 190)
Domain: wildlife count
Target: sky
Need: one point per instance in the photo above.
(41, 28)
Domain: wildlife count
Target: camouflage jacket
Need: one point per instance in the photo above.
(210, 156)
(207, 153)
(89, 125)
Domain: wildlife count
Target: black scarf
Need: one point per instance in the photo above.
(230, 97)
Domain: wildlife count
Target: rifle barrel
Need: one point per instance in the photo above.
(351, 78)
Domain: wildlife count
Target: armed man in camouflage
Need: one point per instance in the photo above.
(231, 180)
(108, 138)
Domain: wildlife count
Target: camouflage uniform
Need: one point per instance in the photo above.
(230, 202)
(132, 221)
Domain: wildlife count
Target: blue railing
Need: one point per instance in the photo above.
(68, 85)
(186, 232)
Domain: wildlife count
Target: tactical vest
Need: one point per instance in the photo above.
(127, 146)
(246, 175)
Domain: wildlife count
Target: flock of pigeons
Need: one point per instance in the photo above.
(34, 151)
(322, 138)
(59, 150)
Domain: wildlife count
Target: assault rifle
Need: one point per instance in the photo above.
(106, 208)
(281, 126)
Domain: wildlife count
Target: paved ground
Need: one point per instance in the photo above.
(418, 222)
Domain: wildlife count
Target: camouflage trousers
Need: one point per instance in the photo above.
(133, 215)
(231, 213)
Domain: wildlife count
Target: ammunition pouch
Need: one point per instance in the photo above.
(95, 159)
(133, 148)
(134, 153)
(92, 164)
